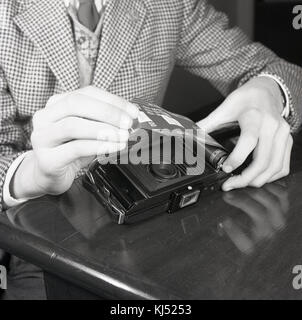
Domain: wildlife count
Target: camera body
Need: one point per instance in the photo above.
(121, 189)
(132, 192)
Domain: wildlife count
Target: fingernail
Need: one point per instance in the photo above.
(227, 168)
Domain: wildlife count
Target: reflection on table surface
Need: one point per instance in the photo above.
(242, 244)
(263, 213)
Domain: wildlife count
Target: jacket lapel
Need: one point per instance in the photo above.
(122, 24)
(47, 25)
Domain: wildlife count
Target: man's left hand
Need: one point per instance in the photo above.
(257, 107)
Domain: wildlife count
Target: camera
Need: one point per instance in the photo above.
(133, 190)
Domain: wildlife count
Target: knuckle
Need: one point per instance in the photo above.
(266, 95)
(259, 90)
(254, 113)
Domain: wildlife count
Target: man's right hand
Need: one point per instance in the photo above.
(67, 135)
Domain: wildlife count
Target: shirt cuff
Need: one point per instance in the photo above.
(8, 200)
(286, 94)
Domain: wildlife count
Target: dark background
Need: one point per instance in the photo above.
(266, 21)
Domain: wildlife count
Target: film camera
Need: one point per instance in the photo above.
(132, 192)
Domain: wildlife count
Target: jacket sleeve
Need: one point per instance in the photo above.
(12, 136)
(225, 56)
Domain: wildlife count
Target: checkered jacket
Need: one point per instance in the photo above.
(142, 41)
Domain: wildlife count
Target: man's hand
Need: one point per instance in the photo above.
(257, 107)
(67, 135)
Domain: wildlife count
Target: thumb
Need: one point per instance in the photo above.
(219, 118)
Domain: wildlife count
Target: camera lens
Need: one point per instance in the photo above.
(164, 171)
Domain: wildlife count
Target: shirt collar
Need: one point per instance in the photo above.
(75, 3)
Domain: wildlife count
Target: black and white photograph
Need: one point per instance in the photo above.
(150, 153)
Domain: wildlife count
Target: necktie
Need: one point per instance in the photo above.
(88, 15)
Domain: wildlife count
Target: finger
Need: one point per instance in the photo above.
(111, 99)
(73, 128)
(261, 160)
(286, 164)
(277, 158)
(250, 125)
(219, 117)
(82, 106)
(69, 152)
